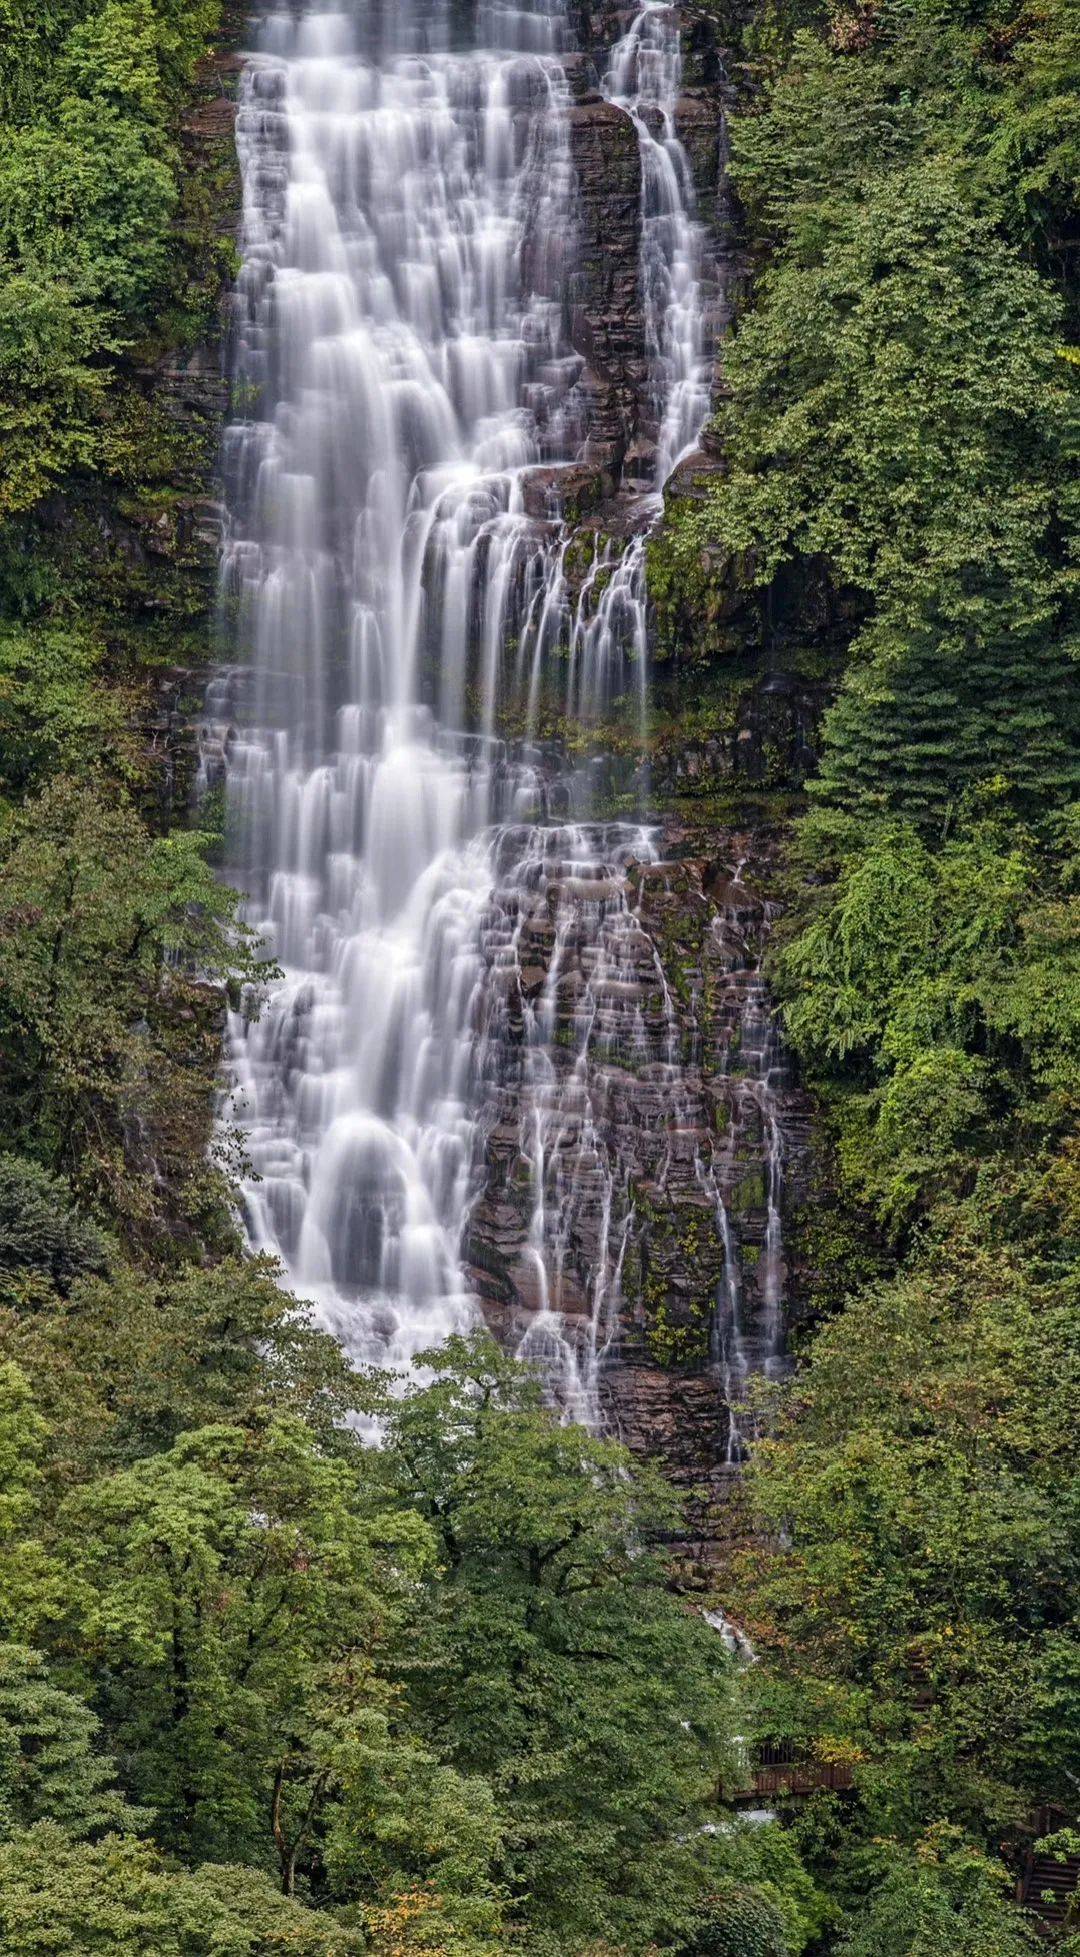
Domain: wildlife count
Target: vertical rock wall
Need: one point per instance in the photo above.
(680, 1162)
(673, 1181)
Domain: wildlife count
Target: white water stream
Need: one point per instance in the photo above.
(644, 78)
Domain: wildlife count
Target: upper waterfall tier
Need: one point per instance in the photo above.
(644, 78)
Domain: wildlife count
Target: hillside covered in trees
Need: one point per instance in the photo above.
(903, 407)
(266, 1688)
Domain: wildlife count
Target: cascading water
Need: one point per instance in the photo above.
(581, 1193)
(570, 968)
(465, 977)
(752, 1067)
(399, 331)
(644, 79)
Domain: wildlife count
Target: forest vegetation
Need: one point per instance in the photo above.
(903, 412)
(267, 1689)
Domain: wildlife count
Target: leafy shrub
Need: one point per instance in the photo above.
(739, 1923)
(41, 1227)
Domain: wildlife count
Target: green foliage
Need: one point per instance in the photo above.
(943, 1900)
(901, 411)
(120, 1897)
(84, 205)
(901, 415)
(50, 1769)
(88, 193)
(42, 1231)
(768, 1907)
(49, 393)
(887, 396)
(219, 1586)
(903, 418)
(401, 1822)
(553, 1659)
(441, 1690)
(1030, 154)
(920, 1619)
(27, 1588)
(739, 1924)
(939, 992)
(102, 930)
(126, 1364)
(55, 713)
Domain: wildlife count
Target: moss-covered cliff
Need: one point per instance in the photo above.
(118, 200)
(119, 196)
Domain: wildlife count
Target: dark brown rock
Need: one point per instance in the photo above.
(607, 323)
(645, 1091)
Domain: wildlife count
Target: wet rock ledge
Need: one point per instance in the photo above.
(644, 1129)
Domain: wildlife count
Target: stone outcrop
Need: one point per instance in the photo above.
(644, 1131)
(643, 1127)
(607, 324)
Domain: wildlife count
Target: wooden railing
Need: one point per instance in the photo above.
(803, 1777)
(783, 1768)
(1047, 1884)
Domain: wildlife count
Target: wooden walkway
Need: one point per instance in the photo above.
(1047, 1887)
(781, 1771)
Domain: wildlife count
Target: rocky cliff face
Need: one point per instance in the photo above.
(608, 326)
(608, 319)
(645, 1145)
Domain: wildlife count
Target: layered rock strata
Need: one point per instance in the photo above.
(646, 1144)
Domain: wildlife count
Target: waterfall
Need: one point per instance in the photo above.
(644, 78)
(753, 1072)
(400, 339)
(579, 1192)
(462, 961)
(570, 965)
